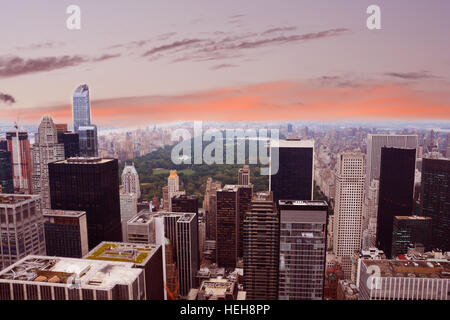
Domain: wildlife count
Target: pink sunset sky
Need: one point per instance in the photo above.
(158, 61)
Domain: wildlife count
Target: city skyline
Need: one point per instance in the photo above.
(209, 61)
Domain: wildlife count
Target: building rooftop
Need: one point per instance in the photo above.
(217, 287)
(63, 213)
(60, 271)
(84, 160)
(292, 143)
(302, 203)
(12, 199)
(144, 217)
(411, 268)
(412, 218)
(135, 253)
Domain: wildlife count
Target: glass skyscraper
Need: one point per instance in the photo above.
(81, 107)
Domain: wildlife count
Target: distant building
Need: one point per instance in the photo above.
(303, 238)
(261, 248)
(71, 142)
(130, 180)
(22, 231)
(143, 256)
(19, 146)
(6, 175)
(93, 187)
(396, 192)
(81, 110)
(38, 277)
(46, 149)
(88, 141)
(184, 203)
(294, 178)
(403, 280)
(244, 176)
(65, 233)
(435, 196)
(410, 230)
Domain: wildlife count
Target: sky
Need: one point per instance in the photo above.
(256, 60)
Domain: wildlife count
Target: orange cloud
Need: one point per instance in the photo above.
(272, 101)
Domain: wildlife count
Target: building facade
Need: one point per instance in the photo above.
(303, 238)
(22, 228)
(348, 214)
(90, 185)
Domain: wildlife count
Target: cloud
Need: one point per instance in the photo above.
(43, 45)
(422, 75)
(12, 66)
(6, 98)
(223, 66)
(280, 29)
(170, 46)
(106, 57)
(226, 46)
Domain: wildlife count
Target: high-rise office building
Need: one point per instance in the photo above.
(348, 215)
(187, 251)
(147, 257)
(210, 206)
(81, 107)
(130, 180)
(370, 213)
(22, 228)
(65, 233)
(46, 149)
(435, 195)
(6, 175)
(396, 192)
(232, 203)
(410, 230)
(261, 237)
(39, 277)
(244, 175)
(294, 161)
(303, 239)
(19, 146)
(374, 144)
(91, 185)
(171, 190)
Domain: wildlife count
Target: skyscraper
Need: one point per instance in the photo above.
(294, 179)
(261, 237)
(303, 238)
(435, 195)
(244, 175)
(81, 110)
(6, 175)
(232, 203)
(71, 142)
(22, 228)
(184, 203)
(374, 144)
(91, 185)
(410, 230)
(347, 229)
(19, 146)
(45, 150)
(173, 189)
(130, 180)
(396, 192)
(81, 107)
(65, 233)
